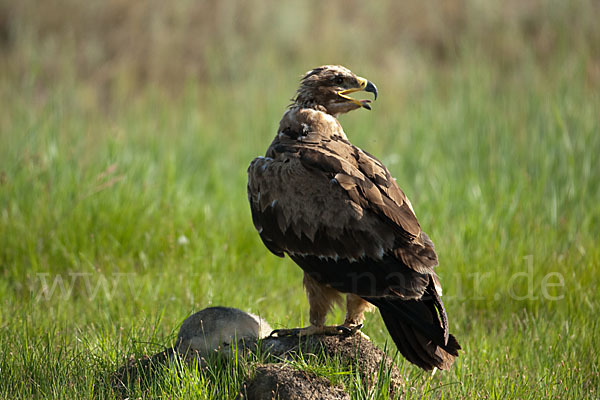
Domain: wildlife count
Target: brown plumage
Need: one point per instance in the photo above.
(339, 214)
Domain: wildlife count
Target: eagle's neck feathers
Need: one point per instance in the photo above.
(308, 124)
(305, 101)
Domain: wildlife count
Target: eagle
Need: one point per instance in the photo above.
(337, 212)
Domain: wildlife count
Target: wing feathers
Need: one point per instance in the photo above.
(375, 191)
(298, 189)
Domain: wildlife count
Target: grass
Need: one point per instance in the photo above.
(118, 222)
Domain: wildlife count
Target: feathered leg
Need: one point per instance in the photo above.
(355, 313)
(355, 310)
(321, 299)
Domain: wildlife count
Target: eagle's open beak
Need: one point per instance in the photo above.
(365, 85)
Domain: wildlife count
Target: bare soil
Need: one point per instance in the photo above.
(283, 382)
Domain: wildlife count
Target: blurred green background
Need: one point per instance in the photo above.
(126, 128)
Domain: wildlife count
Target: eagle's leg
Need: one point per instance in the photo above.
(320, 299)
(312, 330)
(355, 313)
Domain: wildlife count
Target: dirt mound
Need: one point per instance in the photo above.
(277, 380)
(281, 381)
(352, 350)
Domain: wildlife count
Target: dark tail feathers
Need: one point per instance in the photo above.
(417, 331)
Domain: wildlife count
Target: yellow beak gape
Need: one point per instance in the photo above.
(363, 85)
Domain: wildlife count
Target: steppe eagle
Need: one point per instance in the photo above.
(338, 213)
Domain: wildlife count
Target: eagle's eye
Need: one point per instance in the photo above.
(339, 80)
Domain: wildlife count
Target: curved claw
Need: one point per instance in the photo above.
(284, 332)
(344, 330)
(349, 331)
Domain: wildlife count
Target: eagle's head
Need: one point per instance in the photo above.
(327, 87)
